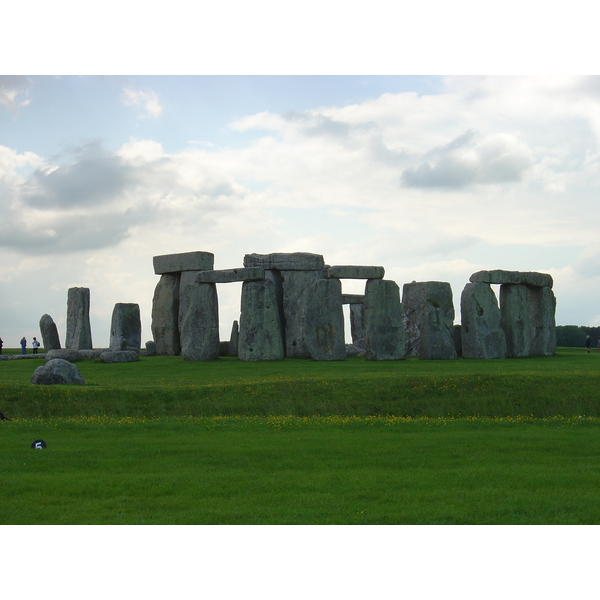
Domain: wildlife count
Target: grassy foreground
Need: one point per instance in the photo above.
(163, 441)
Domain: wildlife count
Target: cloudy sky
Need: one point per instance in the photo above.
(433, 178)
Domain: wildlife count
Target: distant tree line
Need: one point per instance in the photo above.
(574, 335)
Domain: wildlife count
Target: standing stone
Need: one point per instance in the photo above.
(357, 330)
(199, 321)
(482, 334)
(295, 285)
(383, 323)
(234, 340)
(457, 336)
(428, 314)
(324, 320)
(514, 309)
(126, 327)
(151, 348)
(260, 329)
(50, 339)
(79, 331)
(165, 315)
(542, 308)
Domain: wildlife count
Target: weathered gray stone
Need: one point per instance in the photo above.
(230, 275)
(499, 276)
(353, 350)
(199, 321)
(151, 348)
(64, 354)
(119, 356)
(357, 330)
(383, 323)
(165, 315)
(355, 272)
(353, 298)
(57, 371)
(260, 328)
(482, 334)
(286, 261)
(515, 320)
(295, 286)
(542, 308)
(428, 319)
(126, 327)
(457, 337)
(49, 331)
(185, 261)
(234, 340)
(79, 331)
(90, 354)
(324, 321)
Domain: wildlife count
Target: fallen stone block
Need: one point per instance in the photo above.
(57, 371)
(119, 356)
(185, 261)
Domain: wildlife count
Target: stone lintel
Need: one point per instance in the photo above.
(353, 298)
(286, 261)
(230, 275)
(186, 261)
(355, 272)
(498, 276)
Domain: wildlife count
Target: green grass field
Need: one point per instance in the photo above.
(164, 441)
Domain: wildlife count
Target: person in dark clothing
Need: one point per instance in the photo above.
(588, 343)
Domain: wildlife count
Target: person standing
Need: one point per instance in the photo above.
(35, 345)
(1, 344)
(588, 343)
(23, 345)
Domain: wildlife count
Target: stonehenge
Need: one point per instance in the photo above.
(292, 307)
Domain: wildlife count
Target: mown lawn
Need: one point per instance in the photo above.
(163, 441)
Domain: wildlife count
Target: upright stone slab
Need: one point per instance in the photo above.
(126, 327)
(261, 329)
(295, 286)
(234, 340)
(428, 314)
(515, 319)
(79, 331)
(324, 321)
(542, 308)
(482, 334)
(199, 322)
(50, 339)
(383, 323)
(165, 315)
(357, 330)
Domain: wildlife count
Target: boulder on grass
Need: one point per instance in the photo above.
(59, 371)
(119, 356)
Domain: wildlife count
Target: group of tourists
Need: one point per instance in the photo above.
(35, 345)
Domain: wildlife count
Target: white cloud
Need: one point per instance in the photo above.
(147, 100)
(513, 163)
(14, 91)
